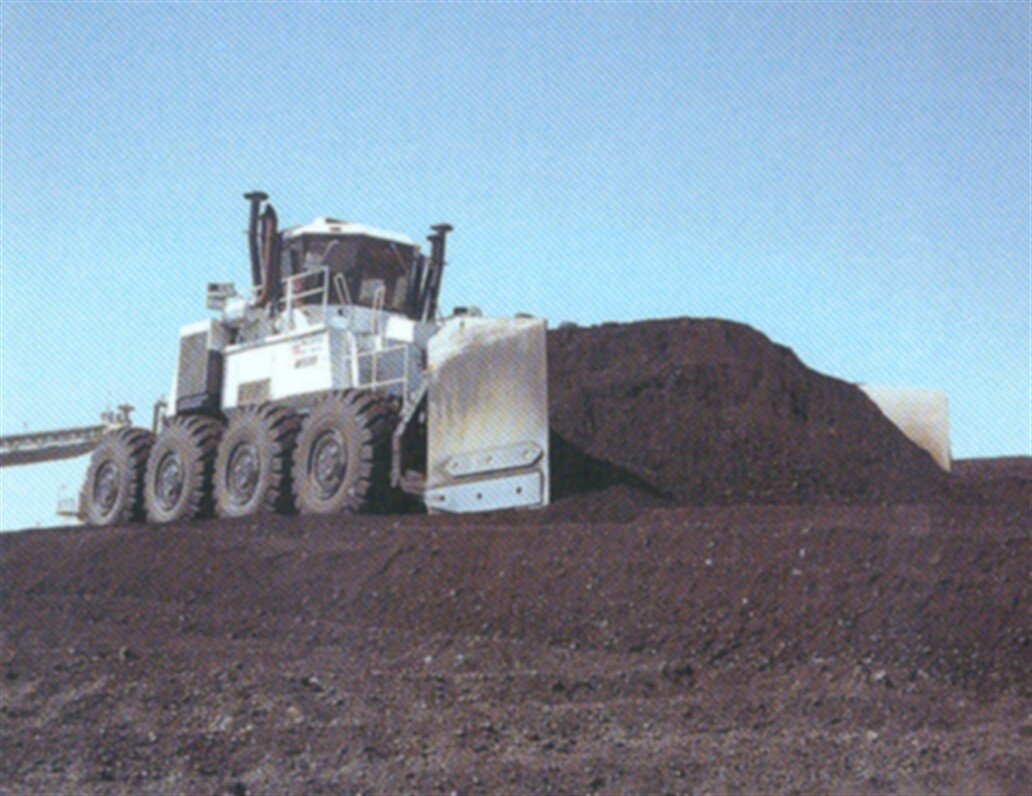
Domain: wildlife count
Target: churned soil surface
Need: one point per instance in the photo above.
(669, 625)
(741, 649)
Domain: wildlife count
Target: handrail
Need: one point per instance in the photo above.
(295, 292)
(374, 381)
(379, 297)
(293, 296)
(342, 290)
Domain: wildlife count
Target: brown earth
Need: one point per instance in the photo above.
(709, 411)
(766, 620)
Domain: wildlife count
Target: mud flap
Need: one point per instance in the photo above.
(487, 415)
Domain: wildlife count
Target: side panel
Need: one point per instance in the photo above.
(283, 368)
(487, 415)
(199, 369)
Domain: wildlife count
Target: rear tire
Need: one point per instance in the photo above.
(178, 485)
(342, 461)
(252, 469)
(113, 491)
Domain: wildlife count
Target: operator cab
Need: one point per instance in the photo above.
(365, 266)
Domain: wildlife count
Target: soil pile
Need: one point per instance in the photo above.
(710, 411)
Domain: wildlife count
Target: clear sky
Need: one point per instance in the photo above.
(852, 179)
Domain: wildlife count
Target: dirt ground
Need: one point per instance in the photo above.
(750, 582)
(642, 648)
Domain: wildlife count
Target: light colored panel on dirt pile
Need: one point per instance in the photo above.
(923, 415)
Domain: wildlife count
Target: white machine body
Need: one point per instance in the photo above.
(480, 383)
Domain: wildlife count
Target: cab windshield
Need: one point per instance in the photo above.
(359, 267)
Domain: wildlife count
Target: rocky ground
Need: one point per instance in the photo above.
(863, 629)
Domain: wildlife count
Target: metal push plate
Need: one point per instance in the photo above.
(514, 491)
(487, 413)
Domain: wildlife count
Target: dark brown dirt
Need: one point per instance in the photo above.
(708, 411)
(849, 637)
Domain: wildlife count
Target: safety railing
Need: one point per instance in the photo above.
(307, 289)
(369, 368)
(382, 368)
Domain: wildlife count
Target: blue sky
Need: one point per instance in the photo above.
(853, 179)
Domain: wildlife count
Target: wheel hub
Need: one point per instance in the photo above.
(328, 463)
(170, 480)
(244, 469)
(105, 487)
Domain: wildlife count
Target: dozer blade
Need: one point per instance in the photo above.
(487, 415)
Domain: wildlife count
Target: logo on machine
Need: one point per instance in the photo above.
(306, 353)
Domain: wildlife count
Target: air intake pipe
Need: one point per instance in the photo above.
(433, 280)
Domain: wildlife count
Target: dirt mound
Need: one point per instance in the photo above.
(710, 411)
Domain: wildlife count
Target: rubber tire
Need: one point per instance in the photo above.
(272, 433)
(121, 454)
(363, 422)
(194, 441)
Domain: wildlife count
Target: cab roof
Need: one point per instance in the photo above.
(335, 226)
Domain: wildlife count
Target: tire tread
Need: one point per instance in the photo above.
(374, 419)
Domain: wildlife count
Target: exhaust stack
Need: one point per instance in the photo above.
(253, 244)
(263, 245)
(433, 281)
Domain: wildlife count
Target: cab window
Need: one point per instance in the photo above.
(367, 265)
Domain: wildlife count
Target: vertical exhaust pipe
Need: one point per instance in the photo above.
(433, 282)
(270, 258)
(414, 291)
(263, 245)
(253, 244)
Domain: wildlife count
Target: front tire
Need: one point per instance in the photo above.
(252, 469)
(113, 491)
(343, 454)
(179, 470)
